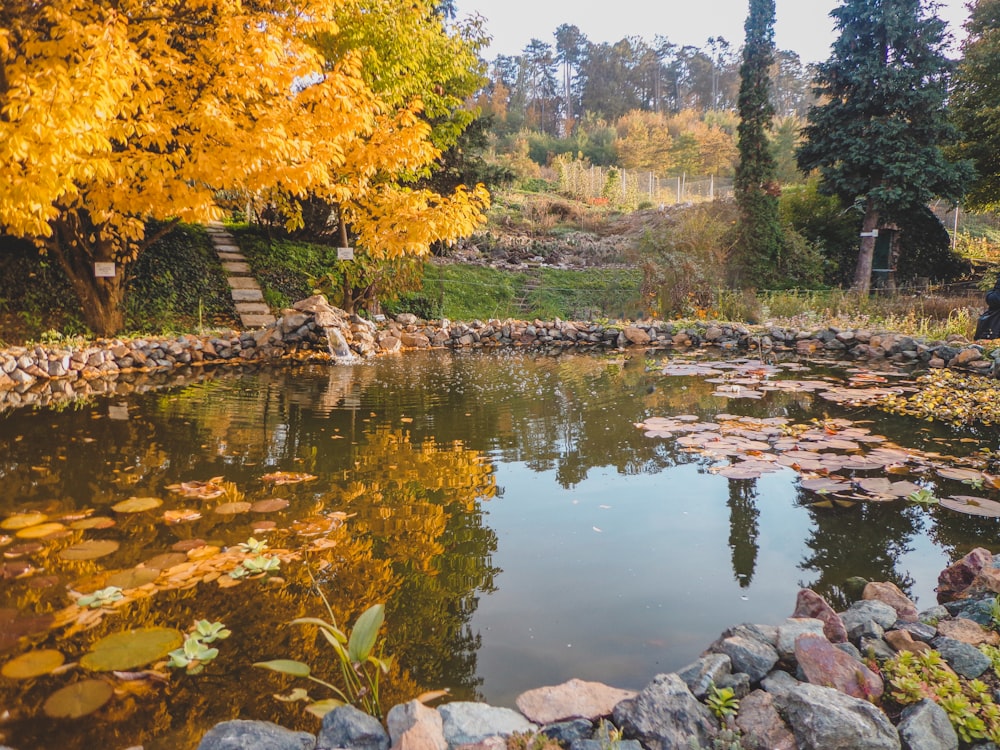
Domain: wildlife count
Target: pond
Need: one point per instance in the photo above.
(518, 524)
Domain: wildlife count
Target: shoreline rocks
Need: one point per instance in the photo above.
(313, 330)
(797, 691)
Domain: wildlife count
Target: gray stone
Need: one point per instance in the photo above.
(247, 295)
(823, 718)
(665, 715)
(920, 631)
(466, 723)
(707, 670)
(925, 726)
(259, 735)
(739, 683)
(967, 660)
(347, 726)
(242, 282)
(934, 614)
(875, 647)
(861, 612)
(977, 610)
(794, 627)
(603, 745)
(566, 732)
(747, 654)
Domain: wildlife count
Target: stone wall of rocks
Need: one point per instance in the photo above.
(802, 685)
(312, 329)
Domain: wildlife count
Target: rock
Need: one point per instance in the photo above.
(902, 640)
(977, 610)
(824, 664)
(570, 700)
(925, 726)
(823, 718)
(812, 605)
(889, 593)
(414, 340)
(792, 628)
(347, 726)
(747, 654)
(967, 631)
(762, 725)
(709, 669)
(583, 744)
(954, 579)
(968, 661)
(466, 723)
(861, 616)
(567, 732)
(259, 735)
(636, 336)
(665, 715)
(919, 630)
(414, 726)
(406, 319)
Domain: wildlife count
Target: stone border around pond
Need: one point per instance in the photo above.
(802, 685)
(314, 330)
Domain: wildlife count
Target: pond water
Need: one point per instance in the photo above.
(519, 527)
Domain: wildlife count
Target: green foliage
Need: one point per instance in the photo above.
(969, 704)
(196, 653)
(923, 496)
(177, 283)
(722, 702)
(361, 668)
(531, 741)
(974, 99)
(823, 221)
(995, 614)
(256, 566)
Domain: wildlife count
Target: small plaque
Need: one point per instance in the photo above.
(118, 411)
(104, 270)
(873, 233)
(345, 253)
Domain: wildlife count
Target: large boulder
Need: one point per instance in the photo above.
(824, 718)
(260, 735)
(347, 726)
(467, 723)
(571, 700)
(665, 715)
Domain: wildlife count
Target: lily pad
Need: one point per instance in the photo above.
(90, 549)
(973, 506)
(95, 522)
(131, 648)
(287, 477)
(77, 700)
(134, 578)
(269, 506)
(137, 504)
(960, 474)
(23, 520)
(232, 509)
(33, 664)
(208, 490)
(164, 561)
(41, 530)
(180, 515)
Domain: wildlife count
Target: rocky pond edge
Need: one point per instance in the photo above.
(812, 682)
(312, 329)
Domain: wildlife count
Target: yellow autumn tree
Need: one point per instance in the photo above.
(114, 113)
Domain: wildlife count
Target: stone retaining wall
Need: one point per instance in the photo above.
(312, 329)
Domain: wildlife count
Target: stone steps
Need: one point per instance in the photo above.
(246, 293)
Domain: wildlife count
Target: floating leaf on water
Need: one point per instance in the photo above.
(94, 522)
(232, 509)
(20, 550)
(13, 625)
(973, 506)
(33, 664)
(269, 506)
(960, 474)
(903, 489)
(77, 700)
(738, 472)
(209, 490)
(287, 477)
(164, 561)
(40, 531)
(90, 549)
(23, 520)
(134, 578)
(263, 525)
(180, 515)
(185, 545)
(131, 648)
(875, 485)
(137, 504)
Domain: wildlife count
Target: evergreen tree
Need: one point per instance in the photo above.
(877, 137)
(976, 103)
(760, 237)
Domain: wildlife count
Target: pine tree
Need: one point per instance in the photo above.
(877, 137)
(760, 236)
(976, 103)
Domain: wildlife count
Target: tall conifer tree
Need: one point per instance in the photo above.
(760, 236)
(877, 137)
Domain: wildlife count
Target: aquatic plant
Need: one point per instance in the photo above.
(195, 653)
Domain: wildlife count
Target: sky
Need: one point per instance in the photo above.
(803, 26)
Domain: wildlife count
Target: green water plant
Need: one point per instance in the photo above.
(196, 653)
(995, 613)
(923, 496)
(101, 597)
(361, 668)
(722, 702)
(255, 566)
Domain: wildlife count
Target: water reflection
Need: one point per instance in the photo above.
(519, 527)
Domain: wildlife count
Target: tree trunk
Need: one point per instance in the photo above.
(866, 254)
(102, 299)
(348, 301)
